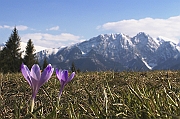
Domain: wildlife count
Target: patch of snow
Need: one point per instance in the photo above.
(50, 51)
(164, 38)
(148, 66)
(83, 53)
(178, 48)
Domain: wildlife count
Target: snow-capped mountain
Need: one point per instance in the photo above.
(36, 47)
(115, 52)
(23, 48)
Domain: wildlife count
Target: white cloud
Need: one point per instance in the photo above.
(19, 27)
(6, 27)
(55, 28)
(51, 41)
(169, 28)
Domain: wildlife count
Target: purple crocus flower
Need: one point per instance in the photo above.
(35, 78)
(62, 75)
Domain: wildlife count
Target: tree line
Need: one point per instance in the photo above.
(11, 54)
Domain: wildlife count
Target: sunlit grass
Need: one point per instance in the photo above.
(142, 95)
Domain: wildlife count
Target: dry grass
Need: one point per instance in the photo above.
(143, 95)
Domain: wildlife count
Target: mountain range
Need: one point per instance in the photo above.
(117, 52)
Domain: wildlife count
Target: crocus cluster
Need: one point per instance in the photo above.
(36, 79)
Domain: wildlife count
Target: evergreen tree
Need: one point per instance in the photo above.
(73, 68)
(30, 56)
(11, 55)
(45, 63)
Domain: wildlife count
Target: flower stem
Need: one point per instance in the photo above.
(58, 101)
(60, 93)
(32, 104)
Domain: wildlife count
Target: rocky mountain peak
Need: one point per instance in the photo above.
(117, 49)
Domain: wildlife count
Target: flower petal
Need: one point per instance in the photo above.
(35, 72)
(26, 73)
(71, 77)
(61, 89)
(35, 86)
(65, 75)
(59, 74)
(46, 75)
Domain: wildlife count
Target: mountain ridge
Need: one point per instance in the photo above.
(141, 52)
(112, 52)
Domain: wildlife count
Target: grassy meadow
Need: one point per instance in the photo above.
(104, 95)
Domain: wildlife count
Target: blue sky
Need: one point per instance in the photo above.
(59, 23)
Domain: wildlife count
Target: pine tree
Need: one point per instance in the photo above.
(11, 55)
(45, 63)
(30, 56)
(73, 68)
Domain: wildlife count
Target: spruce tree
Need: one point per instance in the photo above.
(30, 56)
(45, 63)
(73, 68)
(11, 55)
